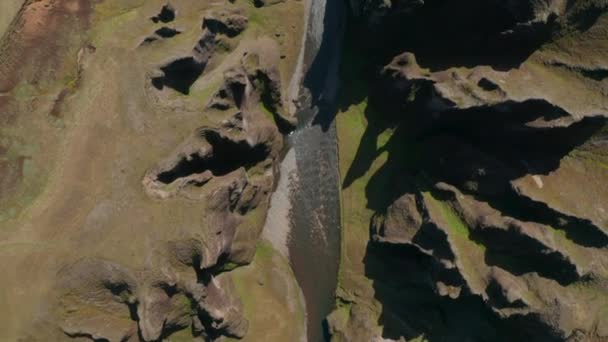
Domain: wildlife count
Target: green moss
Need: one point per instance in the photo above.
(267, 112)
(411, 97)
(20, 156)
(341, 316)
(72, 84)
(384, 138)
(184, 302)
(591, 159)
(257, 18)
(468, 251)
(267, 289)
(373, 152)
(454, 221)
(264, 250)
(229, 266)
(420, 338)
(204, 95)
(24, 91)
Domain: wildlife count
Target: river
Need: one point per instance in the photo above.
(314, 243)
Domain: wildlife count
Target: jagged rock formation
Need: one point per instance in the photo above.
(179, 74)
(256, 80)
(497, 215)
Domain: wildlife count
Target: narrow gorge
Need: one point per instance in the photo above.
(304, 170)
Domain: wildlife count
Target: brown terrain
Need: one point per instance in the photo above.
(138, 151)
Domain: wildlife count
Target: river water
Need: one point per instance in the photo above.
(314, 243)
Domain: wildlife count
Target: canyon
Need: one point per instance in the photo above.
(304, 170)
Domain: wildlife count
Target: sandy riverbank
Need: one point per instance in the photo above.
(278, 223)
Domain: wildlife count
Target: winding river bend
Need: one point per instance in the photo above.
(314, 244)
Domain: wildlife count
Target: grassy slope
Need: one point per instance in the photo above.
(271, 297)
(377, 151)
(8, 9)
(352, 282)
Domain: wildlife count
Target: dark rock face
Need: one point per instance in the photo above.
(262, 3)
(495, 226)
(166, 14)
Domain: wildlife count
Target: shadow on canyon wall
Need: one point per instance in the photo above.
(451, 148)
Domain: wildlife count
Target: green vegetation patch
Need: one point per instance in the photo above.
(271, 297)
(264, 250)
(267, 112)
(454, 222)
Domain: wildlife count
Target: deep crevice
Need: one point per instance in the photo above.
(472, 33)
(226, 156)
(117, 288)
(596, 74)
(86, 335)
(520, 255)
(271, 100)
(580, 231)
(167, 32)
(179, 75)
(166, 15)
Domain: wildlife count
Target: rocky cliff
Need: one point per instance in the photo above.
(479, 180)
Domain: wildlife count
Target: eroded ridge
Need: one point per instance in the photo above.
(181, 73)
(255, 84)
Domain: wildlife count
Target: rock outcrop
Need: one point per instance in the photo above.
(218, 27)
(255, 85)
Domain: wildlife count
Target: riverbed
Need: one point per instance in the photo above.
(314, 239)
